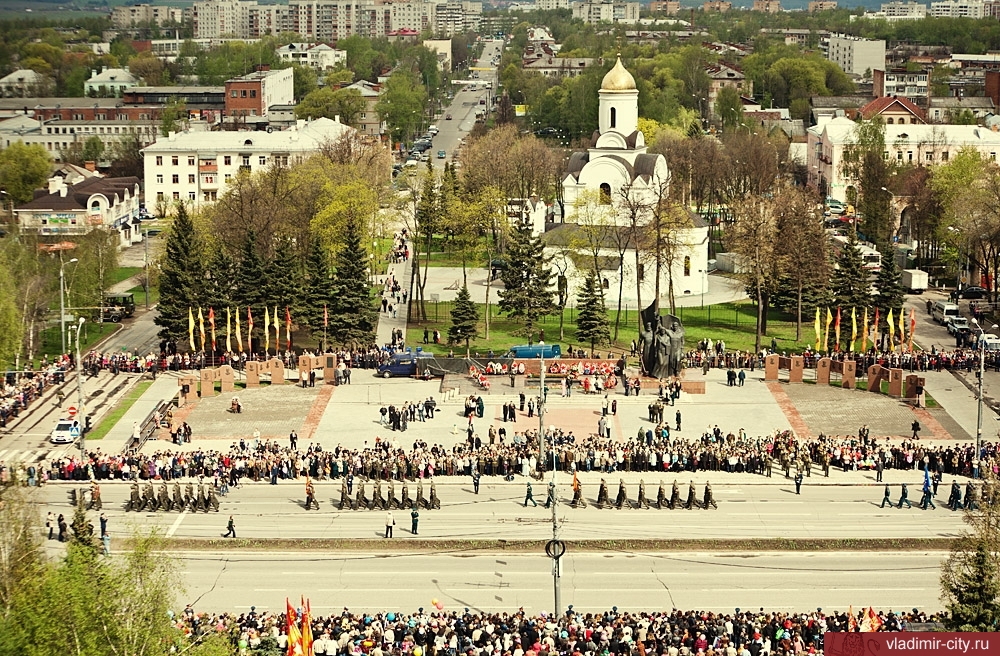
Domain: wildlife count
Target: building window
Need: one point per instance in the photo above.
(227, 160)
(944, 156)
(175, 178)
(262, 160)
(191, 178)
(889, 121)
(253, 93)
(613, 116)
(177, 195)
(243, 93)
(605, 193)
(228, 176)
(232, 93)
(159, 160)
(687, 265)
(159, 195)
(191, 195)
(159, 178)
(929, 156)
(605, 284)
(885, 154)
(175, 160)
(190, 161)
(641, 271)
(246, 160)
(909, 156)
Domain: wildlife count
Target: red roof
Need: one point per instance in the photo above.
(896, 103)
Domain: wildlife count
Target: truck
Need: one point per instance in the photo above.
(548, 351)
(914, 281)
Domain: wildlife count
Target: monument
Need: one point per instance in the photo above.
(662, 343)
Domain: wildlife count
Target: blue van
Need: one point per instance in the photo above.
(401, 364)
(535, 351)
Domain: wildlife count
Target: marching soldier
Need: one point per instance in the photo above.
(202, 498)
(377, 500)
(345, 496)
(178, 497)
(435, 503)
(391, 497)
(622, 499)
(213, 501)
(550, 495)
(164, 497)
(661, 497)
(709, 498)
(529, 496)
(602, 495)
(955, 499)
(578, 501)
(692, 501)
(904, 497)
(361, 501)
(134, 503)
(421, 501)
(641, 501)
(95, 496)
(311, 496)
(970, 497)
(404, 497)
(675, 495)
(189, 498)
(886, 499)
(149, 496)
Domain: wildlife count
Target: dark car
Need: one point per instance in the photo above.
(973, 293)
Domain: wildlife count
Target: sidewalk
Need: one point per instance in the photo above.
(162, 389)
(403, 273)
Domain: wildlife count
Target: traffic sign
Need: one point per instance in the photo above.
(72, 411)
(74, 431)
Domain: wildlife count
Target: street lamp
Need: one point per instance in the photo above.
(62, 302)
(979, 412)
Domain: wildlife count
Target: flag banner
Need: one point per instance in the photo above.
(239, 331)
(902, 323)
(854, 327)
(864, 332)
(852, 620)
(892, 331)
(826, 335)
(913, 329)
(201, 327)
(267, 331)
(229, 326)
(875, 330)
(836, 329)
(191, 327)
(292, 626)
(249, 331)
(288, 329)
(277, 331)
(818, 336)
(326, 317)
(211, 325)
(872, 621)
(307, 636)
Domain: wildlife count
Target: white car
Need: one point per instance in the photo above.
(61, 433)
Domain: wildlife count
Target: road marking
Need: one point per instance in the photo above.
(268, 590)
(176, 524)
(297, 574)
(366, 589)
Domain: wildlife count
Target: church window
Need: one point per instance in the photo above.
(613, 112)
(605, 193)
(687, 265)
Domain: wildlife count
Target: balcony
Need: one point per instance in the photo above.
(206, 167)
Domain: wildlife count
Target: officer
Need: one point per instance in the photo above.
(886, 499)
(904, 497)
(768, 463)
(529, 497)
(414, 518)
(798, 481)
(955, 499)
(970, 496)
(709, 497)
(926, 499)
(550, 498)
(475, 481)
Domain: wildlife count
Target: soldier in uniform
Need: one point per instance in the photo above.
(768, 463)
(361, 501)
(885, 498)
(377, 500)
(95, 496)
(213, 501)
(692, 501)
(826, 464)
(404, 497)
(421, 501)
(189, 498)
(602, 495)
(970, 497)
(642, 502)
(622, 499)
(178, 497)
(675, 495)
(661, 497)
(550, 495)
(798, 481)
(391, 497)
(578, 501)
(345, 496)
(709, 498)
(435, 503)
(529, 496)
(134, 503)
(955, 498)
(149, 496)
(164, 497)
(311, 496)
(904, 497)
(202, 498)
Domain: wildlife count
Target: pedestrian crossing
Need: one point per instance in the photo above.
(30, 455)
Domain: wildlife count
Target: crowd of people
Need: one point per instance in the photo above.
(18, 391)
(742, 632)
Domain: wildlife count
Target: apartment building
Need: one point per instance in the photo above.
(900, 82)
(898, 10)
(668, 7)
(109, 82)
(253, 94)
(318, 56)
(369, 122)
(822, 5)
(91, 204)
(856, 55)
(606, 11)
(767, 6)
(958, 9)
(124, 17)
(24, 83)
(716, 6)
(196, 166)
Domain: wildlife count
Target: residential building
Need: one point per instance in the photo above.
(169, 49)
(856, 56)
(957, 9)
(900, 82)
(893, 110)
(193, 98)
(318, 56)
(253, 94)
(369, 123)
(797, 36)
(825, 108)
(948, 108)
(822, 5)
(906, 144)
(442, 49)
(123, 17)
(101, 110)
(767, 6)
(451, 18)
(606, 11)
(109, 83)
(717, 6)
(720, 77)
(549, 5)
(417, 15)
(60, 137)
(899, 10)
(91, 204)
(24, 83)
(195, 167)
(216, 18)
(553, 66)
(668, 7)
(270, 19)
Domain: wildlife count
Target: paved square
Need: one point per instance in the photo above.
(275, 411)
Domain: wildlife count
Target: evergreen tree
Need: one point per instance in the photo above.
(220, 281)
(464, 319)
(249, 288)
(527, 279)
(592, 318)
(888, 285)
(970, 577)
(849, 282)
(285, 287)
(317, 290)
(182, 279)
(352, 316)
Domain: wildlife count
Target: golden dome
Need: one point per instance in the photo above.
(618, 79)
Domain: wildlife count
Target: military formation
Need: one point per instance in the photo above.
(149, 499)
(389, 501)
(662, 501)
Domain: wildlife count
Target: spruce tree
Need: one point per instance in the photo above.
(592, 315)
(285, 286)
(249, 289)
(220, 281)
(182, 277)
(849, 282)
(464, 319)
(317, 290)
(888, 285)
(352, 316)
(527, 279)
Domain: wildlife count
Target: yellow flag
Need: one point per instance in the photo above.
(902, 324)
(267, 330)
(817, 330)
(191, 328)
(201, 328)
(854, 327)
(864, 332)
(892, 331)
(826, 335)
(229, 325)
(277, 331)
(239, 333)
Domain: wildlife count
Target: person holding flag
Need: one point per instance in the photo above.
(292, 630)
(872, 622)
(926, 500)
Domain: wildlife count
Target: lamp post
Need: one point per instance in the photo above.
(62, 301)
(979, 410)
(81, 412)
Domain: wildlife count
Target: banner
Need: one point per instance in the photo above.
(249, 331)
(864, 332)
(817, 330)
(191, 328)
(326, 318)
(826, 335)
(201, 327)
(277, 331)
(211, 324)
(288, 329)
(854, 327)
(229, 325)
(892, 331)
(875, 331)
(307, 635)
(239, 332)
(902, 323)
(291, 623)
(913, 329)
(836, 329)
(267, 330)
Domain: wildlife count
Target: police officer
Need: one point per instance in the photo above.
(926, 499)
(414, 518)
(886, 499)
(904, 497)
(955, 499)
(475, 481)
(798, 481)
(529, 497)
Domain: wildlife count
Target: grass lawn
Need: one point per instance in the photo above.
(117, 412)
(123, 273)
(735, 323)
(90, 335)
(154, 297)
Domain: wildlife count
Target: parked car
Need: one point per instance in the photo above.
(61, 433)
(441, 154)
(957, 325)
(973, 293)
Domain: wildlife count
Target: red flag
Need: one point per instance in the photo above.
(292, 626)
(326, 318)
(875, 335)
(836, 330)
(249, 331)
(852, 620)
(211, 322)
(288, 329)
(913, 328)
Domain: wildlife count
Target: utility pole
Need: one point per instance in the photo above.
(81, 411)
(541, 411)
(145, 260)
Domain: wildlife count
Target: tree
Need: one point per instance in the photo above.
(22, 170)
(464, 319)
(889, 291)
(970, 578)
(592, 315)
(865, 163)
(318, 291)
(352, 319)
(729, 108)
(11, 325)
(401, 105)
(754, 236)
(284, 288)
(173, 117)
(803, 247)
(526, 278)
(849, 282)
(348, 104)
(126, 157)
(181, 283)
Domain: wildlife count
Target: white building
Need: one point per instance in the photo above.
(109, 83)
(593, 188)
(135, 15)
(318, 56)
(24, 83)
(898, 10)
(606, 11)
(549, 5)
(958, 9)
(369, 122)
(216, 18)
(915, 144)
(196, 166)
(451, 18)
(856, 55)
(63, 136)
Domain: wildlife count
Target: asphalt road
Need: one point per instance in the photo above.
(591, 582)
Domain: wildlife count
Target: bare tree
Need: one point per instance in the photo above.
(753, 236)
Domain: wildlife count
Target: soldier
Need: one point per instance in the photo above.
(904, 497)
(189, 498)
(202, 498)
(213, 501)
(602, 495)
(178, 497)
(528, 496)
(311, 496)
(622, 499)
(134, 503)
(164, 497)
(475, 481)
(955, 499)
(886, 499)
(768, 463)
(826, 466)
(661, 497)
(361, 500)
(970, 497)
(404, 497)
(798, 482)
(709, 499)
(377, 500)
(149, 497)
(578, 501)
(95, 496)
(675, 495)
(550, 495)
(435, 503)
(391, 497)
(421, 501)
(414, 518)
(925, 499)
(692, 501)
(641, 502)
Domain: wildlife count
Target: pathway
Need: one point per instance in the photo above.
(387, 323)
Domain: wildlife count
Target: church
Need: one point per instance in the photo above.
(602, 188)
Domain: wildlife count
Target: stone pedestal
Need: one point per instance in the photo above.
(329, 363)
(693, 386)
(771, 367)
(189, 390)
(896, 383)
(875, 378)
(823, 371)
(228, 378)
(207, 383)
(253, 374)
(277, 369)
(798, 365)
(912, 382)
(849, 374)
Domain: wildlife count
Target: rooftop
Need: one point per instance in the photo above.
(78, 195)
(306, 136)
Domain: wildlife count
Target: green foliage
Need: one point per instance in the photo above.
(729, 108)
(11, 326)
(889, 292)
(401, 105)
(592, 324)
(464, 319)
(850, 280)
(182, 281)
(865, 164)
(318, 291)
(352, 318)
(527, 279)
(285, 280)
(22, 170)
(173, 117)
(348, 104)
(303, 81)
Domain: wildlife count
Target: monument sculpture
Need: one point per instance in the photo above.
(662, 343)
